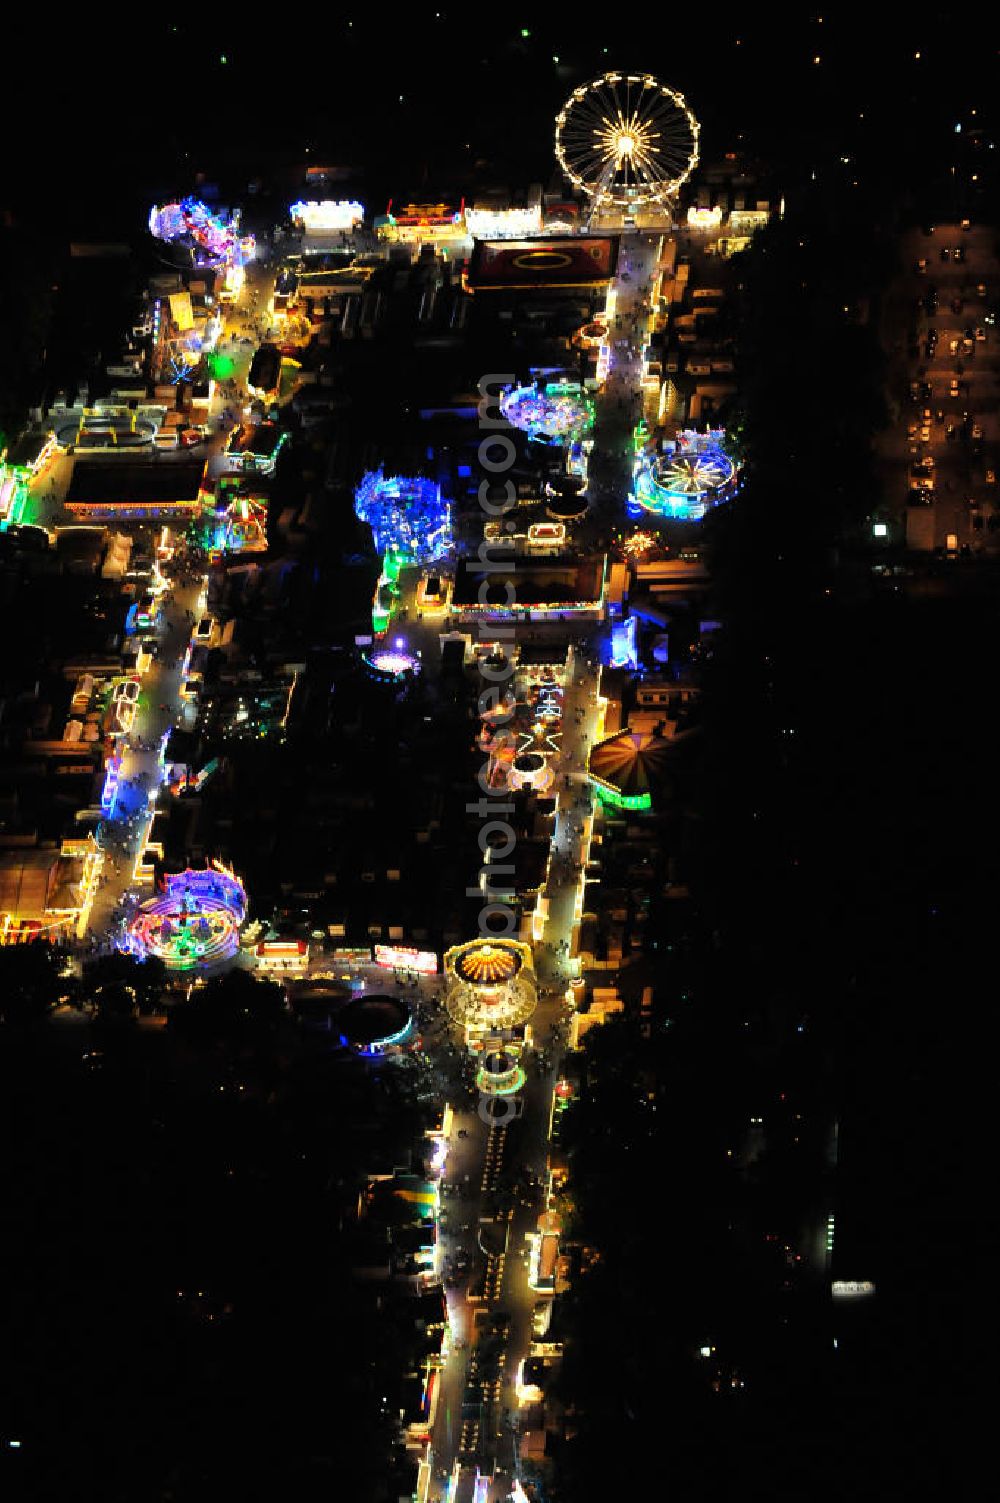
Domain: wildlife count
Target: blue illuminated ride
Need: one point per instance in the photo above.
(408, 517)
(624, 651)
(180, 370)
(692, 473)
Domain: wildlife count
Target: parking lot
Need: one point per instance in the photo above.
(942, 338)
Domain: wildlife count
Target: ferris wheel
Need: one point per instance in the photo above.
(626, 139)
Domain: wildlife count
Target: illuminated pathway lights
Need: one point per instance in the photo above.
(559, 413)
(407, 516)
(694, 474)
(195, 920)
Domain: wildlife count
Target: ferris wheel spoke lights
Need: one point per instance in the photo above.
(627, 139)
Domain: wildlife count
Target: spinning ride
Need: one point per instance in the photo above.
(374, 1023)
(211, 240)
(490, 984)
(626, 767)
(194, 921)
(557, 413)
(693, 474)
(408, 517)
(392, 662)
(500, 1074)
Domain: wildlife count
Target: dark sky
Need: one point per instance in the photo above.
(105, 112)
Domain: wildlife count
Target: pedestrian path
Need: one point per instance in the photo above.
(159, 707)
(573, 821)
(619, 404)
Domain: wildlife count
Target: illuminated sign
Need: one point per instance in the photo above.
(488, 224)
(703, 219)
(428, 215)
(852, 1288)
(405, 958)
(545, 534)
(327, 214)
(283, 954)
(748, 219)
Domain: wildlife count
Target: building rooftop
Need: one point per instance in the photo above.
(125, 484)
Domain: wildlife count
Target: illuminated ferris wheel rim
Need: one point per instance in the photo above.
(627, 138)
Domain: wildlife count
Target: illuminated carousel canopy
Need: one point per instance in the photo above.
(625, 768)
(490, 983)
(487, 964)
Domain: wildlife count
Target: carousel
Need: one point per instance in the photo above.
(490, 984)
(500, 1074)
(627, 768)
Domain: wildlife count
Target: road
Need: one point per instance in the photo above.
(160, 703)
(474, 1217)
(620, 401)
(160, 706)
